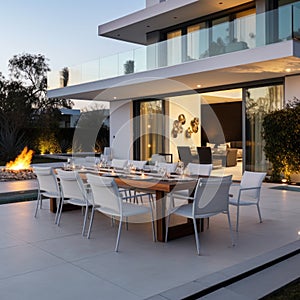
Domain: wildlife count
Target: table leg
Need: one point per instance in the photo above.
(160, 206)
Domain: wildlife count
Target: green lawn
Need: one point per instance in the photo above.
(289, 292)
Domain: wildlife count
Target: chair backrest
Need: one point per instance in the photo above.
(47, 179)
(170, 167)
(91, 159)
(138, 164)
(71, 185)
(158, 158)
(212, 195)
(205, 155)
(250, 180)
(199, 169)
(119, 163)
(105, 193)
(107, 152)
(185, 154)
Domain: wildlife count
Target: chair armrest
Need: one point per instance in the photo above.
(250, 188)
(178, 196)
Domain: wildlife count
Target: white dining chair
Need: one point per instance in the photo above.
(169, 167)
(211, 197)
(73, 192)
(119, 163)
(107, 199)
(248, 193)
(191, 169)
(137, 164)
(47, 187)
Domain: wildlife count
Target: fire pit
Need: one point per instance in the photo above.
(19, 169)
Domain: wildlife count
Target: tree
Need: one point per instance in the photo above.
(32, 70)
(24, 103)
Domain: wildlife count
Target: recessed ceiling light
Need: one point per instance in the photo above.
(199, 85)
(115, 98)
(288, 70)
(220, 3)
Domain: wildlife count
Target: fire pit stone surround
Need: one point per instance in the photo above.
(8, 175)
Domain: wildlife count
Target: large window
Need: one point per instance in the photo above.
(213, 36)
(258, 102)
(174, 47)
(197, 40)
(245, 28)
(148, 128)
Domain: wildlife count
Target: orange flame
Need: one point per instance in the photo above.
(22, 161)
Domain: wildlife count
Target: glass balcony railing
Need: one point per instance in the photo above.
(248, 32)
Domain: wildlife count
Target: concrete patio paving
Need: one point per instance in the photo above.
(42, 261)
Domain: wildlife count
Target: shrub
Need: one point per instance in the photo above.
(281, 131)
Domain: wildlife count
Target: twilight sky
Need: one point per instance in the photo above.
(64, 31)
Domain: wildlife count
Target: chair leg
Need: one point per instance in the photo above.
(167, 227)
(119, 234)
(152, 219)
(237, 218)
(37, 203)
(259, 214)
(85, 219)
(230, 229)
(91, 223)
(58, 204)
(196, 236)
(60, 211)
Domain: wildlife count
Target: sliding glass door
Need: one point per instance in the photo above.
(258, 102)
(149, 128)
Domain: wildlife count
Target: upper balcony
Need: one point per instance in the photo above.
(242, 34)
(165, 14)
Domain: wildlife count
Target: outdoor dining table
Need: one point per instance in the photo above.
(152, 184)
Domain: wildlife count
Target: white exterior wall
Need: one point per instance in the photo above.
(190, 106)
(121, 129)
(292, 89)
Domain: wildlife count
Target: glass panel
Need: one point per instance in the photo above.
(284, 27)
(259, 101)
(244, 31)
(151, 128)
(126, 63)
(109, 67)
(220, 36)
(296, 21)
(75, 75)
(197, 41)
(174, 47)
(140, 62)
(90, 71)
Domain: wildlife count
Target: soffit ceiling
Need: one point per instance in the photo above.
(134, 27)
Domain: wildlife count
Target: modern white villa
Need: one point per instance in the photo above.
(203, 72)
